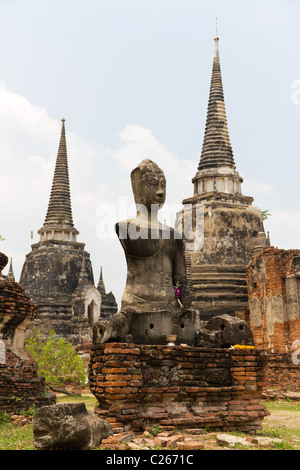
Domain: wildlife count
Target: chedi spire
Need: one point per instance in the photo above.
(59, 208)
(216, 149)
(58, 223)
(217, 174)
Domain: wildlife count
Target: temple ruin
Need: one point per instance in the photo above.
(231, 228)
(57, 273)
(273, 279)
(146, 366)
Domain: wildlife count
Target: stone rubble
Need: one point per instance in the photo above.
(173, 440)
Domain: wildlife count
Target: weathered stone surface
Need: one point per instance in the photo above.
(57, 273)
(224, 331)
(117, 329)
(99, 329)
(68, 426)
(229, 440)
(155, 260)
(229, 227)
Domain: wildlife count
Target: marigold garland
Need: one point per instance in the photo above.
(242, 346)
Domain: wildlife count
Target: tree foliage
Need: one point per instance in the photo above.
(57, 360)
(265, 214)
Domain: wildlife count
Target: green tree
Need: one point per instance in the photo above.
(57, 360)
(265, 214)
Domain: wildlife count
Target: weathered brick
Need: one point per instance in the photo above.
(169, 399)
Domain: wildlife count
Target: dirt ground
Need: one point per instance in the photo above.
(283, 419)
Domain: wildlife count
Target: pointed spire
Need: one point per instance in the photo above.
(59, 208)
(216, 149)
(10, 274)
(101, 286)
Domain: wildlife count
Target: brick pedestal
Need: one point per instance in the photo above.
(20, 385)
(178, 386)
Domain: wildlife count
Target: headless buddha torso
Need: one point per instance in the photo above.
(151, 262)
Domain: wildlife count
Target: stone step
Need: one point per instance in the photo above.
(204, 272)
(208, 272)
(221, 287)
(212, 296)
(213, 280)
(219, 268)
(217, 274)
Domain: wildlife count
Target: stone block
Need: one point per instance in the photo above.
(68, 426)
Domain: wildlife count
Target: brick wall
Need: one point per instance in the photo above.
(20, 385)
(273, 281)
(283, 375)
(139, 385)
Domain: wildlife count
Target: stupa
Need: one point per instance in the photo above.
(230, 228)
(57, 273)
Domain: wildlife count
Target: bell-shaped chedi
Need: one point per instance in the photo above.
(226, 227)
(57, 273)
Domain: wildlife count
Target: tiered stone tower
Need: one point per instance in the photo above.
(232, 228)
(57, 273)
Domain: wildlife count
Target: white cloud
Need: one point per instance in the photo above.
(139, 143)
(284, 228)
(29, 140)
(252, 186)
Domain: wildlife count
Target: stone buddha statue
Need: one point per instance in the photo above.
(154, 256)
(156, 298)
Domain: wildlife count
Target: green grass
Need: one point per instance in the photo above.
(89, 400)
(14, 437)
(285, 429)
(284, 405)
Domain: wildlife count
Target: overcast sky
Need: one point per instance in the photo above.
(131, 78)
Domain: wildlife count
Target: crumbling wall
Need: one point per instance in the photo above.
(273, 281)
(20, 385)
